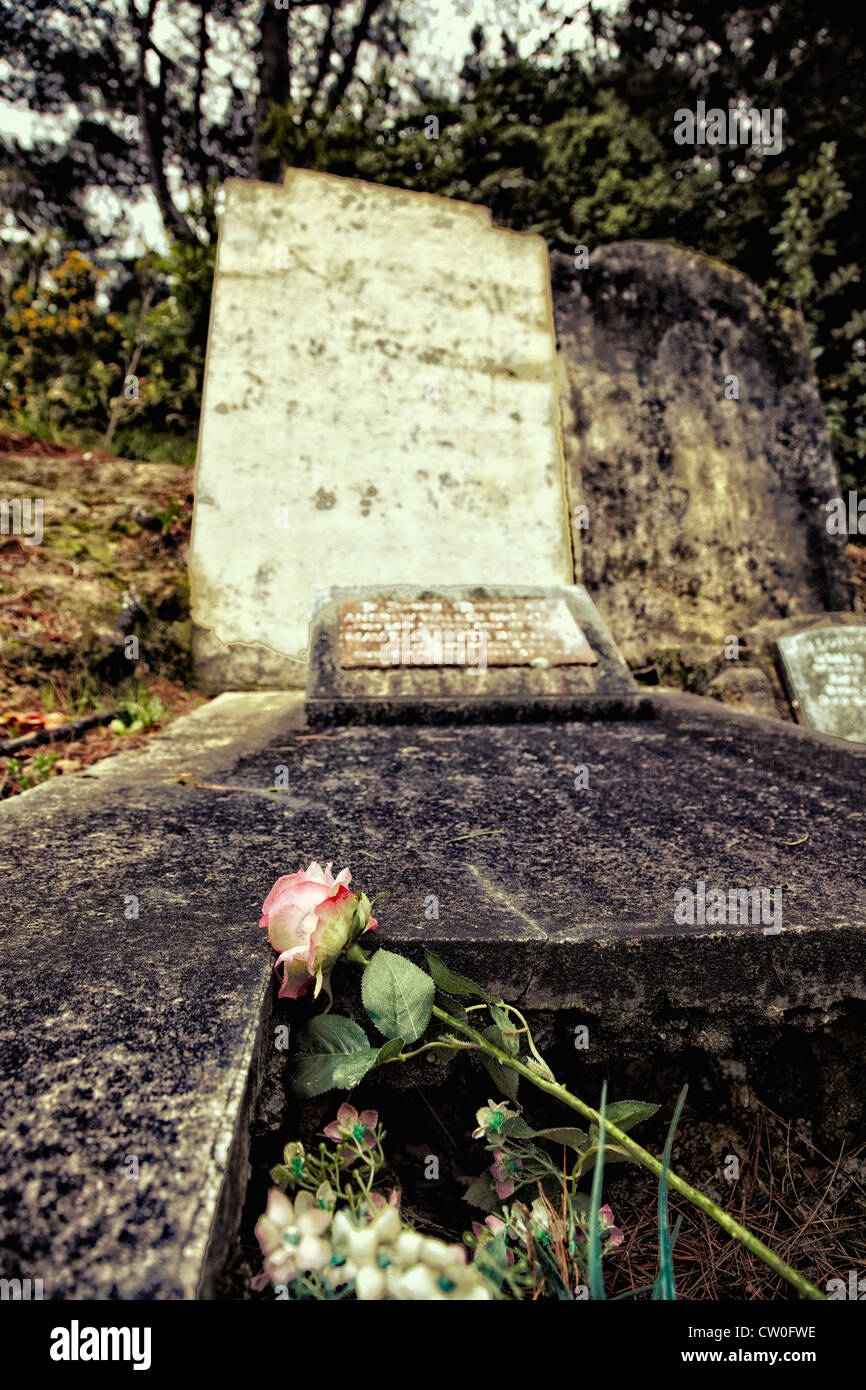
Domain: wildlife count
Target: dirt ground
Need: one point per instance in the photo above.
(106, 562)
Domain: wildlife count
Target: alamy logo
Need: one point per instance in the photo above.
(75, 1343)
(736, 126)
(737, 907)
(23, 518)
(837, 1288)
(850, 521)
(20, 1290)
(422, 646)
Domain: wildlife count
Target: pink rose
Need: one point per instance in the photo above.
(309, 917)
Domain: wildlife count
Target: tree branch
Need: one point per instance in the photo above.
(150, 121)
(323, 67)
(199, 93)
(361, 32)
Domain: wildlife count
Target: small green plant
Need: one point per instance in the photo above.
(138, 712)
(171, 512)
(41, 768)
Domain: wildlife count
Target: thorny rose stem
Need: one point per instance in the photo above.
(733, 1228)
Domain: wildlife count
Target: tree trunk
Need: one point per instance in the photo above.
(272, 59)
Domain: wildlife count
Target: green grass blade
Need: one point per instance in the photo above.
(664, 1286)
(593, 1263)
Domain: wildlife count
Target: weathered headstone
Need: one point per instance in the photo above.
(380, 407)
(695, 439)
(825, 669)
(463, 653)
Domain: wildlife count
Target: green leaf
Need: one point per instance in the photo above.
(335, 1034)
(397, 995)
(516, 1128)
(625, 1114)
(553, 1282)
(612, 1154)
(314, 1073)
(510, 1041)
(482, 1194)
(452, 1007)
(573, 1138)
(451, 982)
(332, 1052)
(392, 1049)
(492, 1260)
(502, 1077)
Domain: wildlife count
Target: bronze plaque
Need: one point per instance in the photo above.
(457, 632)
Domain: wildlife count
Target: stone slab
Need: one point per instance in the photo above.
(145, 1037)
(522, 626)
(825, 669)
(380, 402)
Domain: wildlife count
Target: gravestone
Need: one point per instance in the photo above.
(825, 669)
(380, 407)
(695, 438)
(463, 653)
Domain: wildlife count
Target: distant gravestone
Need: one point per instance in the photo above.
(825, 669)
(462, 652)
(380, 407)
(698, 461)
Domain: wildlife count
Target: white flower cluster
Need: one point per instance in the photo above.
(389, 1260)
(384, 1258)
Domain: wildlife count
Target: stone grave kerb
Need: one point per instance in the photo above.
(381, 406)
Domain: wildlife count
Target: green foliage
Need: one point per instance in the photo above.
(593, 1257)
(332, 1052)
(450, 981)
(65, 355)
(60, 352)
(398, 996)
(138, 711)
(42, 767)
(555, 153)
(812, 279)
(577, 148)
(504, 1079)
(664, 1285)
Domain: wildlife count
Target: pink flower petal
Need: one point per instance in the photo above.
(316, 874)
(280, 887)
(333, 928)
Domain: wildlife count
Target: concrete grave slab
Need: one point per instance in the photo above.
(380, 406)
(144, 1037)
(463, 653)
